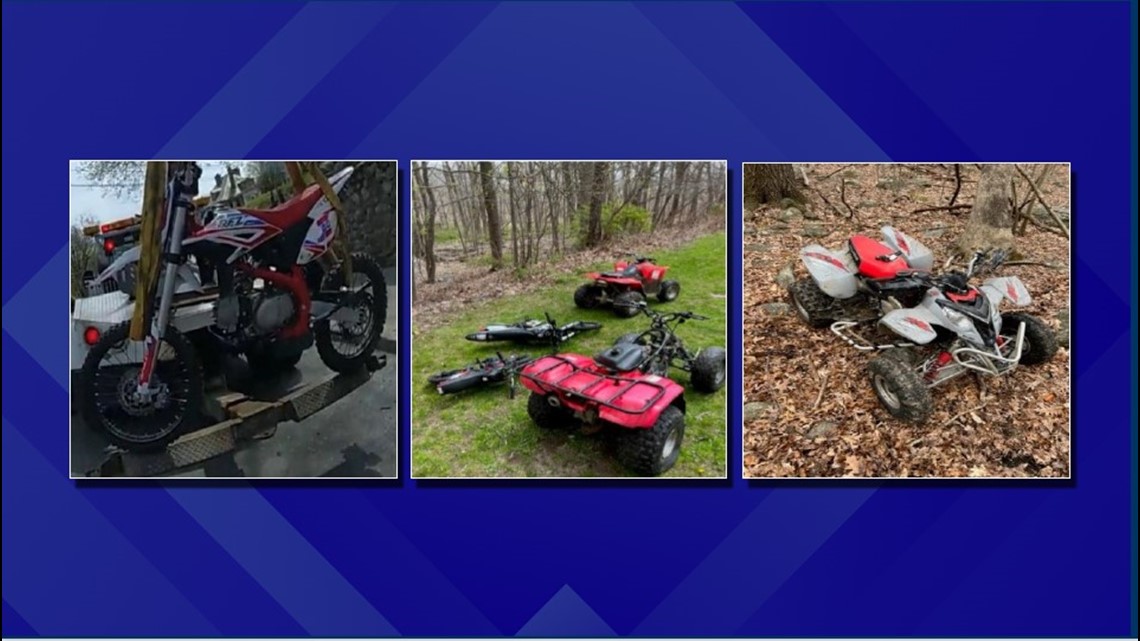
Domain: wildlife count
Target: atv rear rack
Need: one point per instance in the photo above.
(846, 331)
(244, 420)
(576, 394)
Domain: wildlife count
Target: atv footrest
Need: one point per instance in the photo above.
(847, 331)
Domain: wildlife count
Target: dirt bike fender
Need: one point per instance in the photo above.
(833, 272)
(187, 280)
(1008, 287)
(918, 256)
(914, 324)
(126, 258)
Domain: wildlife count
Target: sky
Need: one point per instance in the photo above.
(92, 201)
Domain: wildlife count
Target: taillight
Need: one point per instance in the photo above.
(91, 336)
(108, 245)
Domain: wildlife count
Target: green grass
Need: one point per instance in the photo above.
(484, 433)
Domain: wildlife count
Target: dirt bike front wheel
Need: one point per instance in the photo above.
(349, 337)
(111, 399)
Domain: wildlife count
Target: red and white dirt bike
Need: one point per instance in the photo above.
(280, 289)
(947, 326)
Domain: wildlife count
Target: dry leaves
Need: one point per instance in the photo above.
(1016, 426)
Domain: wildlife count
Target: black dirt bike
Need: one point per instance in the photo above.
(483, 372)
(533, 332)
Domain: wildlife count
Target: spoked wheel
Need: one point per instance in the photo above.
(111, 398)
(346, 339)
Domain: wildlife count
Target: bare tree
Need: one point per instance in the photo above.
(991, 218)
(115, 177)
(597, 194)
(425, 224)
(770, 183)
(491, 209)
(83, 250)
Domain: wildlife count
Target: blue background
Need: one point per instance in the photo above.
(806, 82)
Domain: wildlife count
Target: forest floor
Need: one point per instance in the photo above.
(809, 410)
(484, 433)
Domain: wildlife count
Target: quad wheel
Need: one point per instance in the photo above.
(653, 451)
(547, 416)
(1040, 344)
(899, 387)
(587, 296)
(344, 345)
(812, 305)
(628, 303)
(669, 291)
(710, 370)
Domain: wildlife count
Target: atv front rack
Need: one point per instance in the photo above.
(582, 392)
(992, 363)
(245, 420)
(846, 330)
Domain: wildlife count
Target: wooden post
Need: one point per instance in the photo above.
(150, 249)
(341, 242)
(295, 177)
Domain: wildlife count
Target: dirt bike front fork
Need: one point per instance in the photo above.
(171, 259)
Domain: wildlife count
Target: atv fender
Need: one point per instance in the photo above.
(918, 256)
(1007, 287)
(833, 272)
(646, 419)
(914, 324)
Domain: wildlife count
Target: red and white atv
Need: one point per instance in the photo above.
(947, 326)
(626, 287)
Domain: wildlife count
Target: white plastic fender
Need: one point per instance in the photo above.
(918, 256)
(833, 272)
(914, 324)
(1009, 287)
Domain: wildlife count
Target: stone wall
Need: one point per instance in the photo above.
(369, 200)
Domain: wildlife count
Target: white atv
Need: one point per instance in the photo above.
(947, 326)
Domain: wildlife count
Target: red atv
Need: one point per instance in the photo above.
(625, 387)
(627, 286)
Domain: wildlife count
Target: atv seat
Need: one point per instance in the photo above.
(625, 272)
(876, 260)
(623, 357)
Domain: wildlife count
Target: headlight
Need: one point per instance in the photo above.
(958, 320)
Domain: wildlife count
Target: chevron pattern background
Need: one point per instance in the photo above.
(796, 81)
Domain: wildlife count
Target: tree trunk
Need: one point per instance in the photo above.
(597, 193)
(427, 240)
(513, 211)
(991, 219)
(491, 208)
(770, 184)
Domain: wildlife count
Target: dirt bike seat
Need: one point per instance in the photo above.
(622, 357)
(291, 211)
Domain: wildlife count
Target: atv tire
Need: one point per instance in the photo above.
(1040, 342)
(670, 290)
(653, 451)
(900, 389)
(95, 389)
(377, 306)
(812, 305)
(628, 303)
(587, 296)
(547, 416)
(710, 370)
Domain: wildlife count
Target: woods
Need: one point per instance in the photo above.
(516, 214)
(810, 408)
